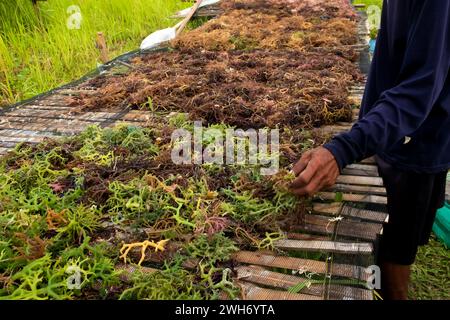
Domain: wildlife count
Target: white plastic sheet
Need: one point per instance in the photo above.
(204, 3)
(158, 37)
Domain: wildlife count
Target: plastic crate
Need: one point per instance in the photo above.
(441, 225)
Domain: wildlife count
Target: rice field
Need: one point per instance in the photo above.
(54, 43)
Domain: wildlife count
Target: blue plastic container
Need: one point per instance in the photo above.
(441, 225)
(372, 45)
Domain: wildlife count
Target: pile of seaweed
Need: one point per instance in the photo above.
(76, 213)
(247, 89)
(247, 30)
(317, 8)
(93, 202)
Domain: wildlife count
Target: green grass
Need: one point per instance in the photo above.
(39, 52)
(430, 278)
(369, 2)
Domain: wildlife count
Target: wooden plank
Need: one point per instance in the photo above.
(56, 131)
(32, 115)
(4, 150)
(328, 208)
(21, 139)
(352, 197)
(25, 133)
(252, 292)
(325, 246)
(358, 88)
(301, 236)
(357, 172)
(76, 92)
(264, 277)
(345, 210)
(346, 228)
(51, 113)
(367, 169)
(347, 292)
(6, 144)
(49, 106)
(300, 265)
(364, 214)
(49, 122)
(46, 108)
(296, 264)
(359, 180)
(54, 95)
(43, 118)
(54, 126)
(370, 160)
(25, 112)
(380, 191)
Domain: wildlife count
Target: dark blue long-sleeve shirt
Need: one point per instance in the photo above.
(407, 96)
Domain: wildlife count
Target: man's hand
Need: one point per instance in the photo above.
(316, 170)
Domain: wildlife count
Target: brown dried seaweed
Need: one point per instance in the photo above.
(240, 88)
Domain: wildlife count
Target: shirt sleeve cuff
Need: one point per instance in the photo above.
(337, 148)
